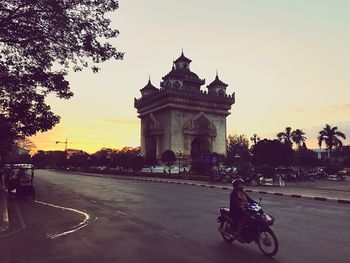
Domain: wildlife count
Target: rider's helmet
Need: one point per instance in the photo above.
(236, 181)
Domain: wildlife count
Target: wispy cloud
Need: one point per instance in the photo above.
(119, 121)
(338, 108)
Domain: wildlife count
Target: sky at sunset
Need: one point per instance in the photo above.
(288, 63)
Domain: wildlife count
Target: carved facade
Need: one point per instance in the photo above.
(181, 116)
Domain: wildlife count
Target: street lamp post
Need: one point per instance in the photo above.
(179, 153)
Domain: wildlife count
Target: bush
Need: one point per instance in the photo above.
(168, 157)
(136, 163)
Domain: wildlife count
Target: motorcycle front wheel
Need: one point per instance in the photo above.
(268, 242)
(225, 231)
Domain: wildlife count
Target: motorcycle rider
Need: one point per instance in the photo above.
(239, 201)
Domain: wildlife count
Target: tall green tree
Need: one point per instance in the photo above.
(237, 149)
(40, 41)
(331, 137)
(272, 152)
(298, 138)
(286, 136)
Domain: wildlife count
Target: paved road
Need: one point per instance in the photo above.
(155, 222)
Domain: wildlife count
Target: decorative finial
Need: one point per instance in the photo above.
(149, 78)
(182, 52)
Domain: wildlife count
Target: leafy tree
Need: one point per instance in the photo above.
(40, 41)
(136, 163)
(286, 136)
(125, 156)
(330, 135)
(151, 160)
(49, 159)
(77, 158)
(237, 149)
(272, 152)
(7, 137)
(305, 158)
(342, 152)
(169, 158)
(103, 157)
(40, 159)
(298, 138)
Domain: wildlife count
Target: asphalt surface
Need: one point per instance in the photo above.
(132, 221)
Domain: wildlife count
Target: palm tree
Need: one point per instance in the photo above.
(330, 136)
(299, 138)
(286, 136)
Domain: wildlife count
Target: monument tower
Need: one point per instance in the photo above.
(181, 117)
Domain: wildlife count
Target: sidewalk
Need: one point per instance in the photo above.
(4, 218)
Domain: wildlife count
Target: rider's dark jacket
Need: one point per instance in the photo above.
(237, 202)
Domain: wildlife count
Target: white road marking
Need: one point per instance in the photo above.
(75, 228)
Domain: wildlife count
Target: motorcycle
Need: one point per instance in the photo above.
(257, 229)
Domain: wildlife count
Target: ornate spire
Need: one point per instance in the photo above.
(149, 86)
(183, 58)
(217, 82)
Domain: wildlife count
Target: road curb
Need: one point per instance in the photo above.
(296, 196)
(5, 216)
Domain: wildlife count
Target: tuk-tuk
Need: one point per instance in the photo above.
(20, 177)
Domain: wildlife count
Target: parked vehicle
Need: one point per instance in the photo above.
(257, 229)
(20, 177)
(309, 176)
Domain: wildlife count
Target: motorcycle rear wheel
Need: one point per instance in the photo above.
(225, 233)
(268, 242)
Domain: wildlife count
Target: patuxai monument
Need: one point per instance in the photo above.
(182, 117)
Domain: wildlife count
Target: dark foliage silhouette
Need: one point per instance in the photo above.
(40, 41)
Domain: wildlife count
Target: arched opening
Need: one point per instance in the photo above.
(151, 146)
(199, 146)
